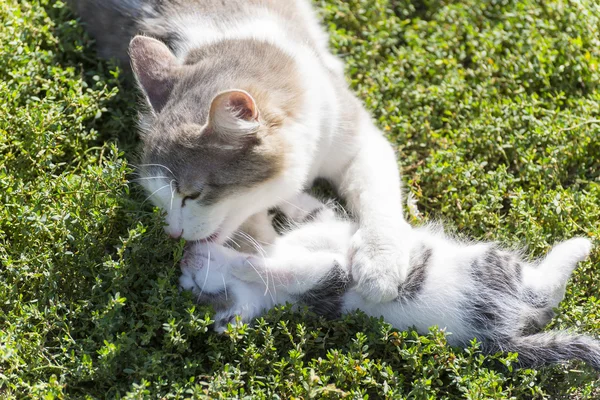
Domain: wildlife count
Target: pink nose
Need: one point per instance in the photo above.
(176, 235)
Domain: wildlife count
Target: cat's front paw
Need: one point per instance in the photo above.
(379, 266)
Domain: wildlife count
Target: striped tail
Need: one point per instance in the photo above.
(555, 347)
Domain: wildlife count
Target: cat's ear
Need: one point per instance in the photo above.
(154, 66)
(234, 113)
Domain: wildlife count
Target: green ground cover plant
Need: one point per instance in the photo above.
(493, 106)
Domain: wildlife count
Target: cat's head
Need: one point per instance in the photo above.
(214, 151)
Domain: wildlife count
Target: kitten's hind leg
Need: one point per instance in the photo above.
(567, 254)
(553, 272)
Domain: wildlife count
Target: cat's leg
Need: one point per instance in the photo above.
(370, 183)
(552, 274)
(563, 257)
(294, 270)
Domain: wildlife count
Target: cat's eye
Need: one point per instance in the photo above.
(193, 196)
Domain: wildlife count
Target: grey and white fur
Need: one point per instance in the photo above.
(245, 108)
(472, 290)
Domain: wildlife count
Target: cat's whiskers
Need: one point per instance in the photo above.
(172, 192)
(148, 178)
(222, 274)
(261, 251)
(253, 242)
(232, 240)
(156, 191)
(207, 271)
(267, 290)
(293, 205)
(224, 286)
(270, 282)
(153, 165)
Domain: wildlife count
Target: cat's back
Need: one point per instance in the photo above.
(193, 23)
(228, 9)
(185, 24)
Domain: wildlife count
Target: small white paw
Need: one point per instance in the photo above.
(186, 280)
(204, 269)
(238, 314)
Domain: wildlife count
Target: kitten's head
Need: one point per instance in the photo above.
(214, 150)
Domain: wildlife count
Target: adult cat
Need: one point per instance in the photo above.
(473, 290)
(247, 108)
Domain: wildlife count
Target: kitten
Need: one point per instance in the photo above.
(246, 107)
(470, 289)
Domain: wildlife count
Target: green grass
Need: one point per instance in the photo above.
(493, 106)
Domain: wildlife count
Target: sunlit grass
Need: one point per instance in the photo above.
(493, 107)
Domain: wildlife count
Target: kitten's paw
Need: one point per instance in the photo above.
(239, 314)
(203, 269)
(378, 267)
(186, 280)
(191, 264)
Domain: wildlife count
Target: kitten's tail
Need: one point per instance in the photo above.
(555, 347)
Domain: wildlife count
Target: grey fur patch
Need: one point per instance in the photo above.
(325, 298)
(553, 347)
(498, 271)
(314, 214)
(496, 274)
(536, 321)
(218, 300)
(484, 314)
(280, 222)
(535, 299)
(419, 262)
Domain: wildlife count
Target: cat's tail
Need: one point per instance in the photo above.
(113, 23)
(555, 347)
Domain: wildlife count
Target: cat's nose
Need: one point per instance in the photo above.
(176, 235)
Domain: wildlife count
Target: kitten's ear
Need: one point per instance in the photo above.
(234, 113)
(154, 66)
